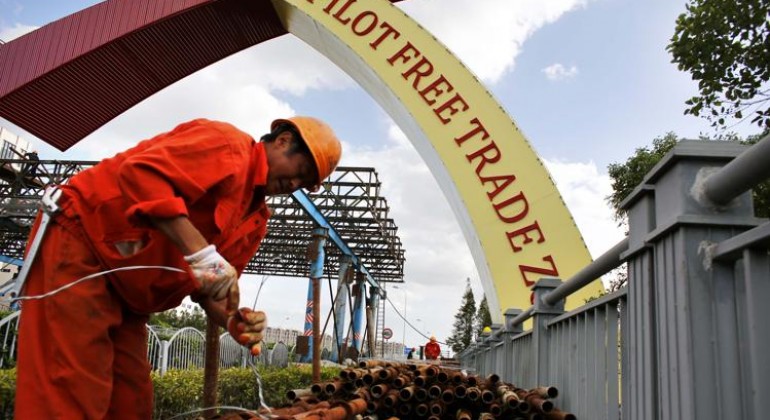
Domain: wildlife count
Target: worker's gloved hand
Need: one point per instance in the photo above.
(246, 327)
(213, 272)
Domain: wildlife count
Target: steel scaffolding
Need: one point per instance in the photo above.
(349, 199)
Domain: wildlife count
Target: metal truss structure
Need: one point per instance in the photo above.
(349, 199)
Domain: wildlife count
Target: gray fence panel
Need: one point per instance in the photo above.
(231, 354)
(523, 368)
(154, 349)
(280, 355)
(186, 349)
(9, 327)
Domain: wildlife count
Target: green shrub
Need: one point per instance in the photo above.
(7, 392)
(180, 391)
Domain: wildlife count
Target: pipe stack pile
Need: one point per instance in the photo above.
(386, 390)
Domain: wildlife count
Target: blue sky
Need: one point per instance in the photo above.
(587, 81)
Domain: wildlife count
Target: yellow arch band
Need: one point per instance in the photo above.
(512, 215)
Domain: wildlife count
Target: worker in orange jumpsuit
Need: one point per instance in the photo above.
(432, 349)
(192, 199)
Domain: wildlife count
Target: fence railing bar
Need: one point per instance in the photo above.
(741, 174)
(523, 316)
(601, 266)
(732, 249)
(607, 299)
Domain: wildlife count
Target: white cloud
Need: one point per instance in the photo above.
(15, 31)
(241, 90)
(584, 190)
(246, 89)
(487, 35)
(558, 72)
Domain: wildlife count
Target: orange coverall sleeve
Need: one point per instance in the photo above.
(192, 159)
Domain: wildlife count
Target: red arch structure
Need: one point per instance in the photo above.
(64, 80)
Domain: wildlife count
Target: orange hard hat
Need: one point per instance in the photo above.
(320, 139)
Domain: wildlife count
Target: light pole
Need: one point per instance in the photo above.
(403, 316)
(262, 283)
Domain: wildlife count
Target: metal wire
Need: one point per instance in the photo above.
(92, 276)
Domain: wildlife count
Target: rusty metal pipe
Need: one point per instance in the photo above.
(379, 390)
(434, 391)
(293, 394)
(390, 398)
(463, 414)
(407, 393)
(448, 395)
(510, 399)
(437, 408)
(487, 396)
(460, 391)
(211, 367)
(404, 410)
(557, 414)
(540, 403)
(420, 394)
(373, 406)
(402, 380)
(473, 393)
(388, 373)
(459, 378)
(495, 409)
(420, 380)
(333, 386)
(422, 410)
(546, 391)
(317, 389)
(442, 376)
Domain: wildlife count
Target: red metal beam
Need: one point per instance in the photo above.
(64, 80)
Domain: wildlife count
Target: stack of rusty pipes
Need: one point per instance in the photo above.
(387, 390)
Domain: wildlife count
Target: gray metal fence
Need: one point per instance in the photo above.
(8, 334)
(687, 338)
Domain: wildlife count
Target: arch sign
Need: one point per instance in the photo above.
(513, 217)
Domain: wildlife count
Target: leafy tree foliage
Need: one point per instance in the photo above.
(462, 331)
(724, 45)
(483, 317)
(179, 318)
(626, 176)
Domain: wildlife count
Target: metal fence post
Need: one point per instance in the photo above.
(480, 354)
(164, 345)
(639, 378)
(541, 315)
(695, 361)
(509, 331)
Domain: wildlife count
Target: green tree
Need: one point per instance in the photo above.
(724, 45)
(628, 175)
(180, 318)
(483, 317)
(462, 331)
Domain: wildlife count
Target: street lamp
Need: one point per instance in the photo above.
(403, 316)
(262, 283)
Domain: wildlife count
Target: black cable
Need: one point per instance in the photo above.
(409, 323)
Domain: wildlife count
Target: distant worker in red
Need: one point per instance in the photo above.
(192, 199)
(432, 349)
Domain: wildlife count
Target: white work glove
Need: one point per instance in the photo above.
(213, 272)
